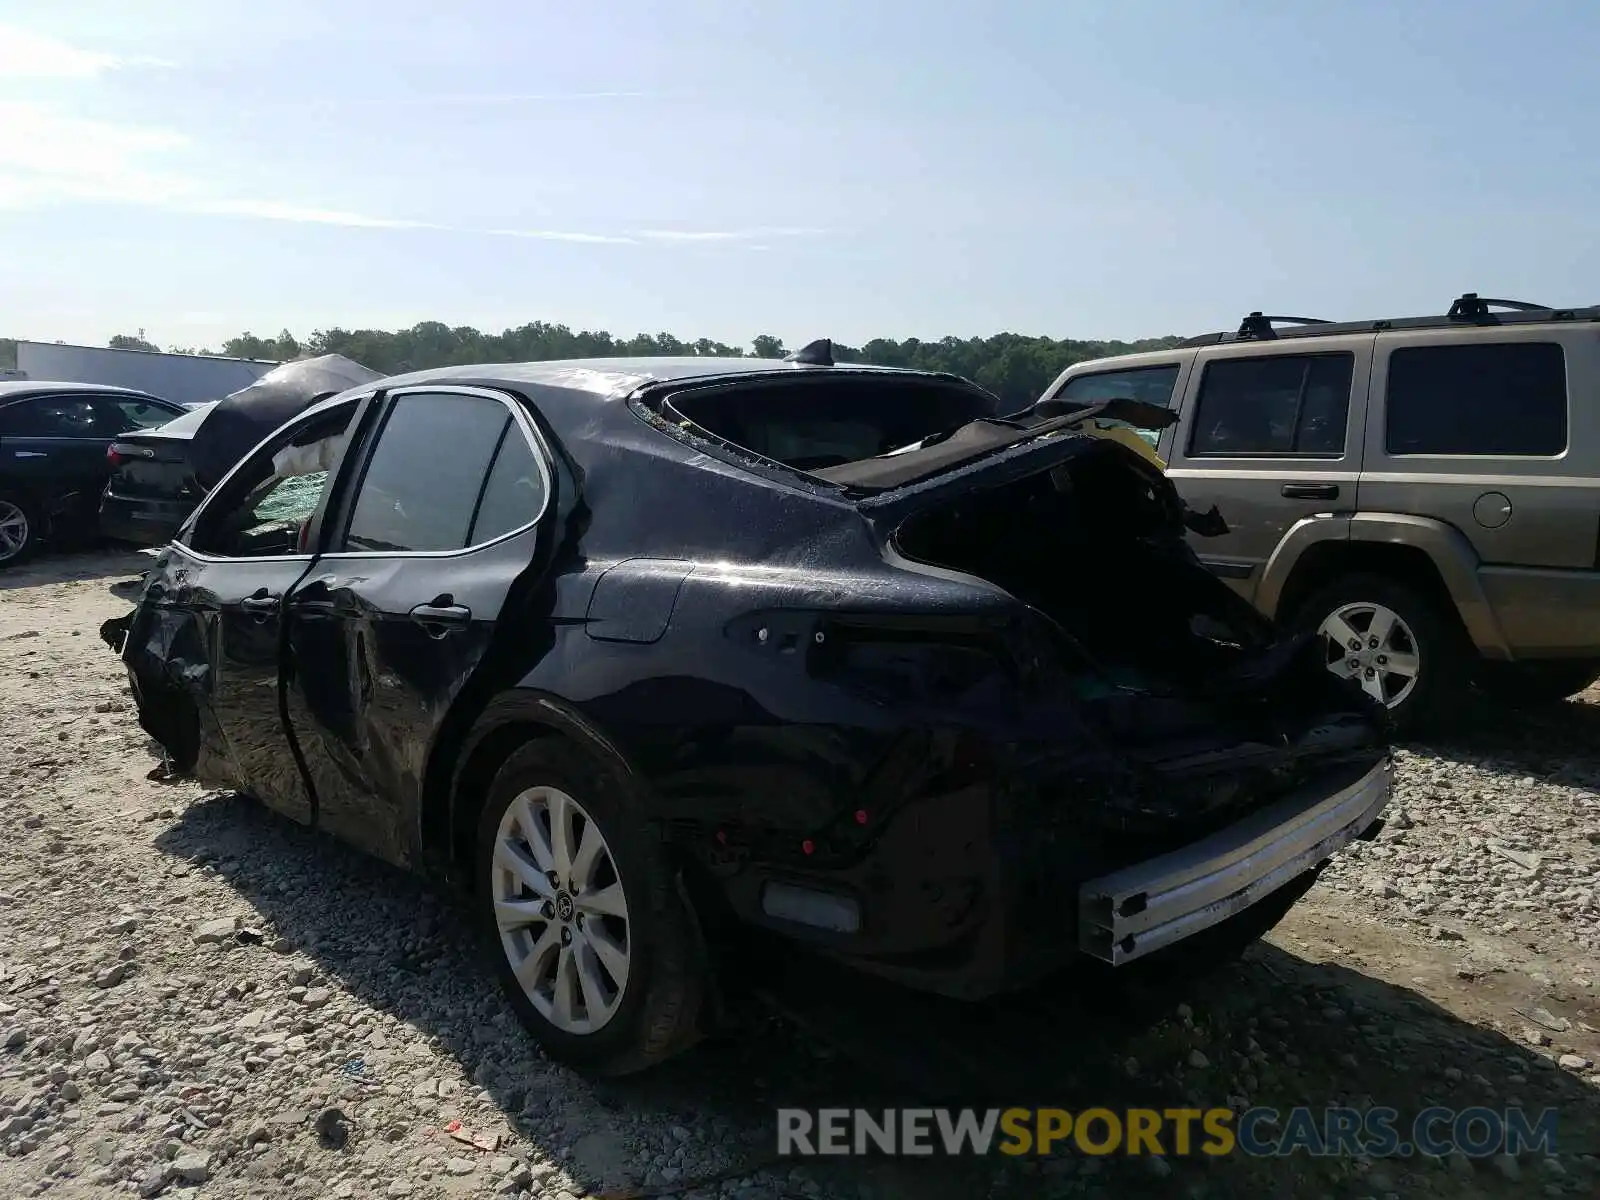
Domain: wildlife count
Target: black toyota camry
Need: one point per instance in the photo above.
(636, 651)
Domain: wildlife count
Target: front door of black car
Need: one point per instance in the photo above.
(397, 614)
(223, 587)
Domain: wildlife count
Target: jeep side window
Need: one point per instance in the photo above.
(1506, 398)
(1153, 385)
(1284, 406)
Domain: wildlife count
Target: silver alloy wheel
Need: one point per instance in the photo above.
(1372, 645)
(562, 915)
(13, 530)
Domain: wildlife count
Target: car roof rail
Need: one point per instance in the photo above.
(1469, 306)
(1256, 325)
(814, 354)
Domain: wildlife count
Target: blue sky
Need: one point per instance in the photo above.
(881, 167)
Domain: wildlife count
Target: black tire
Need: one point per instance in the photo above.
(1532, 684)
(1444, 656)
(34, 523)
(657, 1009)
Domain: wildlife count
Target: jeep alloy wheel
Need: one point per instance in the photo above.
(1372, 644)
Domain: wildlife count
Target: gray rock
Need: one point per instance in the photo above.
(1574, 1062)
(192, 1168)
(112, 975)
(14, 1038)
(460, 1166)
(219, 930)
(153, 1182)
(1508, 1167)
(604, 1157)
(1198, 1060)
(515, 1181)
(316, 997)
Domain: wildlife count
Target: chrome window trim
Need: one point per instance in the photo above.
(530, 433)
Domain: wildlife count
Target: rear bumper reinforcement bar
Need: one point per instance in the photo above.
(1139, 909)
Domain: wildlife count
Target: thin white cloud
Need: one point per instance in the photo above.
(722, 235)
(558, 235)
(269, 210)
(25, 54)
(526, 97)
(48, 157)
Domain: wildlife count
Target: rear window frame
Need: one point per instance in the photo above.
(655, 404)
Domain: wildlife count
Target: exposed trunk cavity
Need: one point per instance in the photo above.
(1213, 705)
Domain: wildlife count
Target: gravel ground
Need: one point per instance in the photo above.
(197, 997)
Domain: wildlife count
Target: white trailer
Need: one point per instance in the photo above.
(183, 378)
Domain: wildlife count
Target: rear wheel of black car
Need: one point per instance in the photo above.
(1532, 684)
(591, 938)
(20, 529)
(1395, 643)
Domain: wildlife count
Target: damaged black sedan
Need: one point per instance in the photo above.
(638, 651)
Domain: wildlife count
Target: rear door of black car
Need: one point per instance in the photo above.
(208, 632)
(398, 613)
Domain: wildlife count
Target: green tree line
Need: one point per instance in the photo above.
(1016, 367)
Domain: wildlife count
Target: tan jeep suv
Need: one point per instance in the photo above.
(1424, 492)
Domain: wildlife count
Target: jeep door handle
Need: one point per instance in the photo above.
(1311, 491)
(440, 619)
(259, 604)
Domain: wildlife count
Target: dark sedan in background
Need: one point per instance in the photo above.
(152, 488)
(54, 439)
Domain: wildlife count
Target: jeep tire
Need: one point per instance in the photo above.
(1397, 643)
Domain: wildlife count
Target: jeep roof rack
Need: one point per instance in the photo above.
(1255, 325)
(1466, 308)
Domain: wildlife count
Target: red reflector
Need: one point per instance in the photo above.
(808, 846)
(112, 456)
(722, 837)
(861, 816)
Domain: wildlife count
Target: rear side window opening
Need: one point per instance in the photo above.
(811, 424)
(1500, 399)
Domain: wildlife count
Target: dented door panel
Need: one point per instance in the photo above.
(207, 636)
(372, 678)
